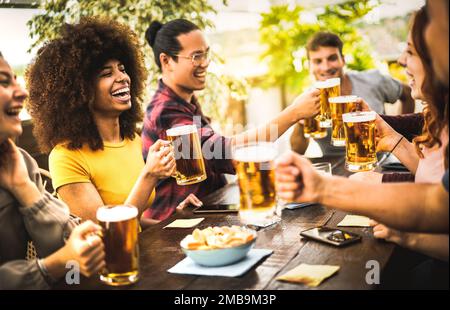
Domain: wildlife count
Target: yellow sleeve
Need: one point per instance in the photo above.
(67, 167)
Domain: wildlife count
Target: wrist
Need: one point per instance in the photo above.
(407, 240)
(27, 193)
(149, 176)
(54, 265)
(321, 189)
(399, 140)
(294, 114)
(18, 188)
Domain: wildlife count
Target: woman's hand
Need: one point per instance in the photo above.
(160, 160)
(307, 104)
(84, 246)
(386, 136)
(191, 199)
(13, 170)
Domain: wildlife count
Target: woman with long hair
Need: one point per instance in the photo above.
(85, 92)
(30, 215)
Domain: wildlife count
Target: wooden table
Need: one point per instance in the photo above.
(160, 250)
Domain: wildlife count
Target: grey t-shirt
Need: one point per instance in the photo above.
(376, 89)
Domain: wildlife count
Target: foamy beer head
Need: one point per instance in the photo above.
(328, 83)
(256, 178)
(344, 99)
(360, 130)
(329, 88)
(120, 237)
(190, 167)
(339, 106)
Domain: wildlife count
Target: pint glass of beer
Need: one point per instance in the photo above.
(188, 154)
(360, 141)
(120, 237)
(256, 178)
(329, 88)
(339, 106)
(312, 129)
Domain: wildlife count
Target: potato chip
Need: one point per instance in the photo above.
(217, 238)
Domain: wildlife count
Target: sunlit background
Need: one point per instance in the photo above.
(236, 38)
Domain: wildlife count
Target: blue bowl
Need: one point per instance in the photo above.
(220, 257)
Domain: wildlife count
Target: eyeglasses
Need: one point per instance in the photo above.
(198, 58)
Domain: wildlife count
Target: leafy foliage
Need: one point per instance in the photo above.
(138, 14)
(285, 31)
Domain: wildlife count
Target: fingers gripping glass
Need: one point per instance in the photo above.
(198, 59)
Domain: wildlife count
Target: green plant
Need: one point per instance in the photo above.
(285, 31)
(138, 14)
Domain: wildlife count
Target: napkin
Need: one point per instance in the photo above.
(188, 266)
(311, 275)
(355, 221)
(186, 223)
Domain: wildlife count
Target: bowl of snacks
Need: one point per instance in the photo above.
(218, 246)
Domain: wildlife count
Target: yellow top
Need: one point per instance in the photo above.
(113, 171)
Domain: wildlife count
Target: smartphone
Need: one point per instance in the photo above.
(331, 236)
(219, 208)
(298, 205)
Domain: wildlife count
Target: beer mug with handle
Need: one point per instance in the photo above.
(188, 154)
(120, 236)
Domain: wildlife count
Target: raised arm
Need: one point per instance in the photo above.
(407, 207)
(304, 106)
(299, 143)
(434, 245)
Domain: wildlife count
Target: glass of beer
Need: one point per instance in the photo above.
(329, 88)
(312, 129)
(256, 178)
(190, 167)
(339, 106)
(120, 236)
(361, 152)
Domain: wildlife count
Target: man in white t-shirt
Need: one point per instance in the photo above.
(326, 61)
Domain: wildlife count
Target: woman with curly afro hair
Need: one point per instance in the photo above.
(85, 92)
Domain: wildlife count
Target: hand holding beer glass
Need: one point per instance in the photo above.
(309, 104)
(160, 161)
(256, 178)
(190, 167)
(329, 88)
(120, 236)
(360, 131)
(312, 129)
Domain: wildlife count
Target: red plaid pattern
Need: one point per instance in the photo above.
(167, 110)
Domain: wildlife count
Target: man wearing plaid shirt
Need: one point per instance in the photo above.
(168, 110)
(182, 54)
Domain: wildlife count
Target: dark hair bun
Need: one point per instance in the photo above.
(152, 30)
